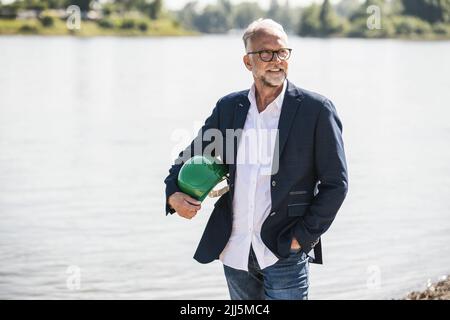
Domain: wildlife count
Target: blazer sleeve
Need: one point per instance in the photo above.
(196, 147)
(331, 170)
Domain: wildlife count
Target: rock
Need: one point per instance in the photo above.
(438, 291)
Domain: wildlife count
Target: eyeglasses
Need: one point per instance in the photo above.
(268, 55)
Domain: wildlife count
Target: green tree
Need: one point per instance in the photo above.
(428, 10)
(83, 4)
(127, 5)
(55, 4)
(245, 13)
(47, 21)
(188, 14)
(411, 26)
(226, 8)
(274, 10)
(286, 17)
(309, 21)
(329, 21)
(155, 9)
(31, 5)
(213, 19)
(346, 8)
(9, 11)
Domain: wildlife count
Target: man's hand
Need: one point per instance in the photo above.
(184, 205)
(295, 245)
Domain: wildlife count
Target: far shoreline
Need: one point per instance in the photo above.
(165, 27)
(198, 34)
(143, 27)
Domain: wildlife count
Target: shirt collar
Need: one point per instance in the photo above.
(278, 102)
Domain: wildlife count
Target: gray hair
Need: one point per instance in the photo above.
(258, 25)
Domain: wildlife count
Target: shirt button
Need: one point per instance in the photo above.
(274, 183)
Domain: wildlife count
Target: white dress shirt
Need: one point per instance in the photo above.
(252, 193)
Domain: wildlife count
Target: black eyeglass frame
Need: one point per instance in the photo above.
(273, 54)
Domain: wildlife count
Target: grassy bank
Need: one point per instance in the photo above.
(107, 27)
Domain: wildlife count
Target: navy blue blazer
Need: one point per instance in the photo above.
(307, 190)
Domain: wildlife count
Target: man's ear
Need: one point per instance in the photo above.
(246, 60)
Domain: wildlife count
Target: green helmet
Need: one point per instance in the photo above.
(199, 175)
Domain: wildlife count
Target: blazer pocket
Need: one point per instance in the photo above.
(293, 193)
(297, 209)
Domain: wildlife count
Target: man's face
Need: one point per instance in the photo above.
(271, 73)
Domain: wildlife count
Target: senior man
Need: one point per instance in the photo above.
(267, 228)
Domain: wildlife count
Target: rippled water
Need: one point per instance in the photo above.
(88, 127)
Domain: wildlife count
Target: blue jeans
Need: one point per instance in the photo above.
(287, 279)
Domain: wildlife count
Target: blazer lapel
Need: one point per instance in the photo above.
(240, 115)
(291, 102)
